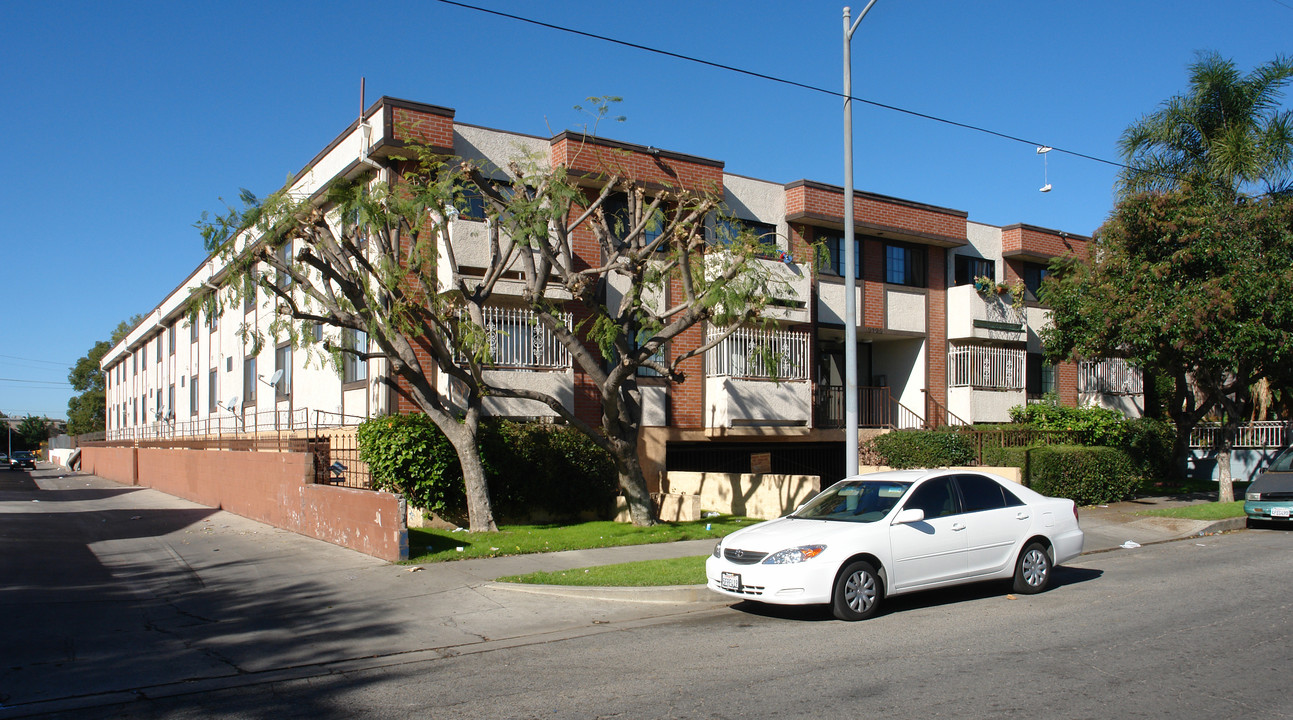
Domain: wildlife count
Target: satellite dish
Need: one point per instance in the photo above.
(170, 414)
(234, 403)
(158, 414)
(276, 377)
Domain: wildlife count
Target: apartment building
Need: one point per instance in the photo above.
(947, 321)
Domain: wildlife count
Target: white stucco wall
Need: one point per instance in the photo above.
(733, 401)
(904, 311)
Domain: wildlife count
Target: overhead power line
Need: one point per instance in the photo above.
(34, 360)
(47, 383)
(785, 81)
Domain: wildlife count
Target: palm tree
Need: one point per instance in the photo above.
(1227, 131)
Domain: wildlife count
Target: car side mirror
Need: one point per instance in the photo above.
(908, 516)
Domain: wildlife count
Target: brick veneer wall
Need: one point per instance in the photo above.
(1042, 242)
(273, 488)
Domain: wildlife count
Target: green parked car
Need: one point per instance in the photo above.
(1270, 497)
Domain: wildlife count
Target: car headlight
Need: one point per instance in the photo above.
(718, 549)
(794, 555)
(1253, 497)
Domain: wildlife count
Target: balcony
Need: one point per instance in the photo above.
(757, 378)
(971, 316)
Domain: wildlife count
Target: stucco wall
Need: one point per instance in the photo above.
(270, 487)
(763, 496)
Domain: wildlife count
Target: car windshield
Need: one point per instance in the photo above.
(861, 501)
(1282, 462)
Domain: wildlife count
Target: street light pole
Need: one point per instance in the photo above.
(850, 261)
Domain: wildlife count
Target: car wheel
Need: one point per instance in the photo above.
(1032, 569)
(858, 591)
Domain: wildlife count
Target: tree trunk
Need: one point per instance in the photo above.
(465, 438)
(1225, 484)
(633, 482)
(480, 511)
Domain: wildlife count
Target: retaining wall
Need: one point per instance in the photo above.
(271, 487)
(763, 496)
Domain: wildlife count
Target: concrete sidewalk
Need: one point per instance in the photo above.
(113, 592)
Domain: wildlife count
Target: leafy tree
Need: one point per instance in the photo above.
(1226, 132)
(33, 431)
(374, 256)
(86, 411)
(1194, 284)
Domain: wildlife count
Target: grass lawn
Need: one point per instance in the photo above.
(1201, 511)
(427, 545)
(646, 573)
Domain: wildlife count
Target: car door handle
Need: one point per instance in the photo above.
(1021, 516)
(957, 527)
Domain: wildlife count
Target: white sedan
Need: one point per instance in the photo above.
(874, 536)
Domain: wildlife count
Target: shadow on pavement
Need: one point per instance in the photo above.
(118, 598)
(1064, 575)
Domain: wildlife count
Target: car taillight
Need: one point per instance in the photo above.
(1075, 513)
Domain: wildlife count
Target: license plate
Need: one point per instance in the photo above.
(730, 581)
(1279, 512)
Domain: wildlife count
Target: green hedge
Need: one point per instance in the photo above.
(532, 469)
(1087, 475)
(923, 448)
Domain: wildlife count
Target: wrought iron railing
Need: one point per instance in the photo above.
(1263, 434)
(1110, 376)
(986, 367)
(760, 355)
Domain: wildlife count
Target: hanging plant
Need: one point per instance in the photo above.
(1017, 293)
(984, 285)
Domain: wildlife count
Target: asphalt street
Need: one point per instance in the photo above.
(125, 602)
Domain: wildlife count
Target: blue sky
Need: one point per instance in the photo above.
(127, 120)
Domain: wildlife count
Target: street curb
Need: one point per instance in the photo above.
(661, 594)
(1227, 525)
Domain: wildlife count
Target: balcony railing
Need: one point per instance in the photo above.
(876, 407)
(756, 354)
(518, 341)
(986, 367)
(1110, 376)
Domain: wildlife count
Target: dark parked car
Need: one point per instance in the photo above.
(1270, 497)
(22, 459)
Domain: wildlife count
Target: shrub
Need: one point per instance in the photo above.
(1007, 457)
(552, 469)
(1150, 443)
(1087, 475)
(532, 469)
(1095, 425)
(409, 455)
(923, 448)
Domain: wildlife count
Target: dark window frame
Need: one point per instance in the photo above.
(915, 265)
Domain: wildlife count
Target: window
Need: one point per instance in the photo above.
(159, 348)
(968, 268)
(354, 368)
(248, 292)
(1040, 376)
(283, 364)
(979, 493)
(169, 412)
(1034, 274)
(284, 255)
(936, 497)
(470, 202)
(727, 230)
(834, 244)
(170, 340)
(249, 381)
(134, 363)
(661, 355)
(193, 395)
(904, 265)
(620, 222)
(193, 331)
(211, 390)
